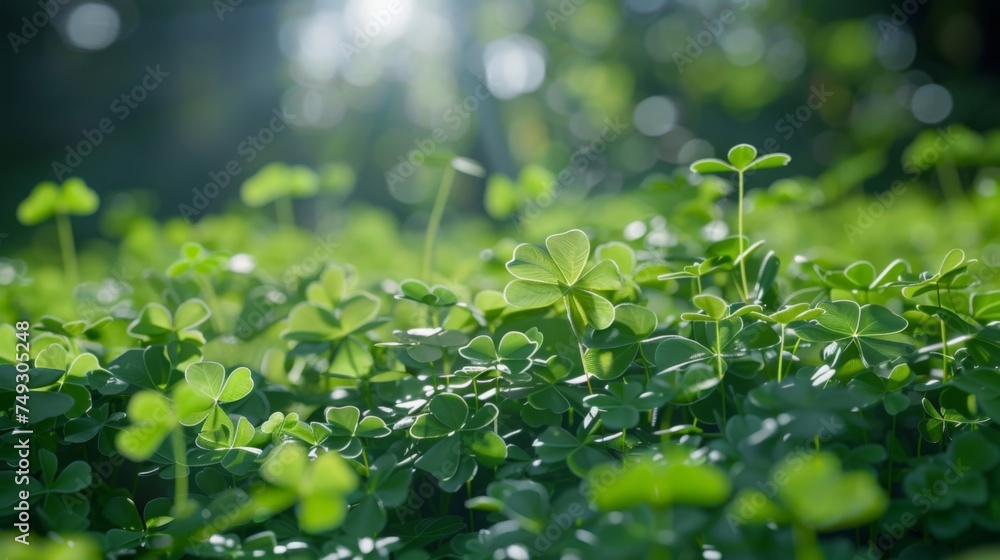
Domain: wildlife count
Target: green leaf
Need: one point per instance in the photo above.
(603, 276)
(121, 512)
(480, 350)
(972, 451)
(570, 252)
(449, 409)
(714, 307)
(712, 165)
(278, 180)
(741, 155)
(534, 264)
(523, 293)
(769, 161)
(821, 496)
(239, 385)
(190, 314)
(658, 484)
(207, 378)
(488, 448)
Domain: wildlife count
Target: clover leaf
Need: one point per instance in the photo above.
(278, 180)
(675, 479)
(232, 446)
(47, 199)
(198, 261)
(544, 276)
(869, 328)
(156, 323)
(621, 404)
(815, 492)
(206, 389)
(612, 350)
(152, 418)
(556, 445)
(347, 428)
(433, 296)
(742, 158)
(319, 487)
(512, 356)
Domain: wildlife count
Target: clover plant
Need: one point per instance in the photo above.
(627, 390)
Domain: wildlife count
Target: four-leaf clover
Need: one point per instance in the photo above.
(544, 276)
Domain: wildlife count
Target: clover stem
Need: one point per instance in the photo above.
(668, 416)
(284, 212)
(888, 445)
(496, 388)
(364, 457)
(781, 354)
(434, 376)
(68, 247)
(180, 479)
(944, 338)
(475, 391)
(213, 303)
(586, 375)
(718, 363)
(739, 227)
(468, 494)
(645, 365)
(951, 183)
(624, 443)
(806, 547)
(697, 280)
(444, 189)
(944, 352)
(579, 341)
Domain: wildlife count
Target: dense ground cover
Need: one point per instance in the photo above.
(583, 387)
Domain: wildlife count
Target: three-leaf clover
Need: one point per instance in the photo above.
(817, 494)
(277, 182)
(330, 314)
(869, 328)
(156, 323)
(206, 389)
(544, 276)
(742, 158)
(47, 199)
(198, 261)
(318, 487)
(511, 357)
(612, 350)
(152, 419)
(347, 427)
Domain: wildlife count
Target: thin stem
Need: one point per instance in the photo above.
(468, 493)
(951, 183)
(68, 248)
(475, 391)
(888, 445)
(434, 377)
(180, 478)
(781, 354)
(698, 281)
(435, 220)
(213, 303)
(718, 363)
(284, 212)
(806, 547)
(944, 338)
(944, 351)
(739, 227)
(579, 342)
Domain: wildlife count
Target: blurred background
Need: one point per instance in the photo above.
(149, 102)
